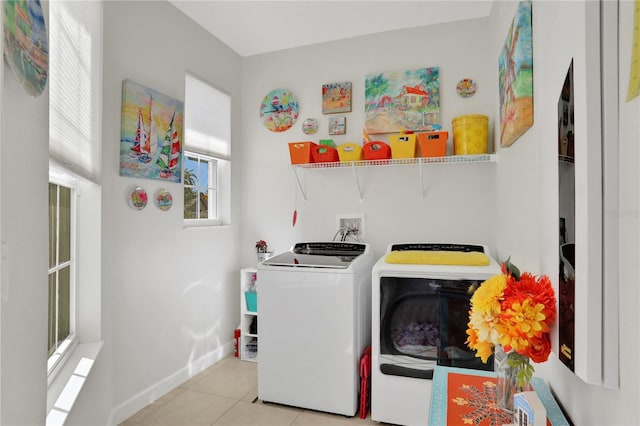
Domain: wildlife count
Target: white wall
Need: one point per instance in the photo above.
(24, 159)
(460, 198)
(527, 223)
(170, 294)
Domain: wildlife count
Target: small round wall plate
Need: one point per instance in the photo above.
(279, 110)
(164, 200)
(138, 198)
(310, 126)
(466, 87)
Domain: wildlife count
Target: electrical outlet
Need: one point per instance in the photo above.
(353, 222)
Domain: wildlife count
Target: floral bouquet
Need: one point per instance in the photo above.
(513, 311)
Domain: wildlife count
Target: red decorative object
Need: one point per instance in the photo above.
(365, 373)
(236, 337)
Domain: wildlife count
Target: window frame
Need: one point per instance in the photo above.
(64, 350)
(210, 159)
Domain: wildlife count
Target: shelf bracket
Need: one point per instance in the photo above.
(295, 172)
(355, 176)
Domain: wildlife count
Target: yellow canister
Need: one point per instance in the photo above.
(470, 134)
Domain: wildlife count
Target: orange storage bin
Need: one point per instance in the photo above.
(300, 152)
(433, 144)
(403, 146)
(376, 150)
(350, 152)
(324, 154)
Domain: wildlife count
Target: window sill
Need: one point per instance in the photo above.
(200, 223)
(66, 386)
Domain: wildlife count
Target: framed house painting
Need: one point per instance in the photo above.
(151, 132)
(336, 97)
(403, 100)
(515, 75)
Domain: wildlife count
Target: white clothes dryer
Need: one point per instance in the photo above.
(420, 314)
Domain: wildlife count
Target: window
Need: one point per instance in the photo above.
(200, 187)
(61, 324)
(75, 146)
(207, 165)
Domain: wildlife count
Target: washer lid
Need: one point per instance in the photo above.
(336, 255)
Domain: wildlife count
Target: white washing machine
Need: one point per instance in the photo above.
(420, 314)
(315, 322)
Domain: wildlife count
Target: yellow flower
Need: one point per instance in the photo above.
(525, 319)
(486, 299)
(484, 350)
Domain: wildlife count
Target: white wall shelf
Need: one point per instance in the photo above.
(449, 159)
(417, 162)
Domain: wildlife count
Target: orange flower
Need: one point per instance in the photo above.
(538, 290)
(539, 348)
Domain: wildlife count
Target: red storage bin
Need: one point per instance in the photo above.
(324, 154)
(376, 150)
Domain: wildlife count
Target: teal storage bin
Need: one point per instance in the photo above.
(252, 300)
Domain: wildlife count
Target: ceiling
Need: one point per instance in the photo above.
(255, 27)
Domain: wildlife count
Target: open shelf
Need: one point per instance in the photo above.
(419, 162)
(449, 159)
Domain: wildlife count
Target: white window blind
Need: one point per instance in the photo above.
(207, 118)
(75, 86)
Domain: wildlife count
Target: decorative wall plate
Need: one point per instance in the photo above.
(466, 87)
(26, 47)
(279, 110)
(138, 198)
(310, 126)
(164, 200)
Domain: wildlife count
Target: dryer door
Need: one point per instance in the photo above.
(423, 323)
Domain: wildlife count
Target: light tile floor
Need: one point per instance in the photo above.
(226, 394)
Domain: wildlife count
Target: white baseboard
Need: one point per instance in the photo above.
(155, 391)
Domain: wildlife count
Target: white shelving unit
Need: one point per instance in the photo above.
(418, 162)
(248, 345)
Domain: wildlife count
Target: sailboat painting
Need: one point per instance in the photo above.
(151, 132)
